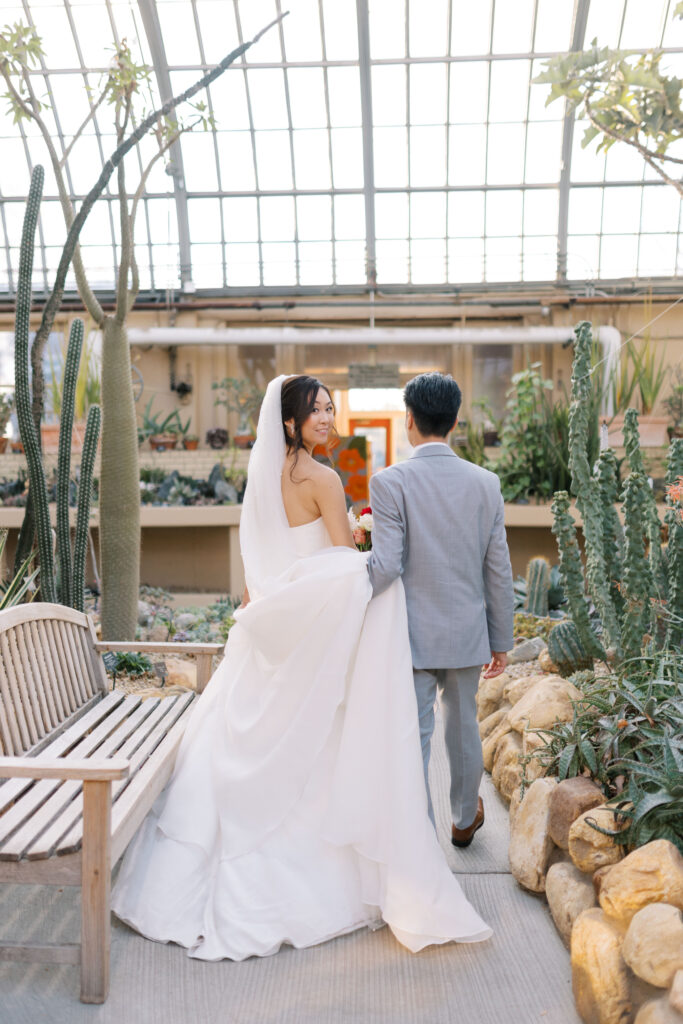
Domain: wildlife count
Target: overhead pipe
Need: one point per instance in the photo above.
(608, 337)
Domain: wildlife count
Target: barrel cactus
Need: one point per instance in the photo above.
(566, 650)
(537, 587)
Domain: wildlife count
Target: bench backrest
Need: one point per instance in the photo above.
(49, 669)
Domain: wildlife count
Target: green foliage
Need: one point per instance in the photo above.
(537, 587)
(532, 460)
(571, 571)
(624, 97)
(6, 409)
(21, 588)
(131, 664)
(241, 396)
(527, 627)
(87, 391)
(566, 650)
(157, 423)
(674, 549)
(627, 734)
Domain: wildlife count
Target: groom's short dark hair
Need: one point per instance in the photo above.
(434, 400)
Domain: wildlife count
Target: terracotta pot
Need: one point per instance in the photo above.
(190, 446)
(49, 433)
(4, 441)
(17, 447)
(244, 440)
(163, 442)
(653, 431)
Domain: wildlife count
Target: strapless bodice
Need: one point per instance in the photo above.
(310, 537)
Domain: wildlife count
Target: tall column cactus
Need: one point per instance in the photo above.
(71, 584)
(652, 525)
(70, 377)
(22, 389)
(613, 533)
(586, 487)
(674, 550)
(637, 578)
(537, 587)
(572, 574)
(92, 436)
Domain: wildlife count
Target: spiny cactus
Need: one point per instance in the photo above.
(586, 487)
(92, 436)
(537, 587)
(70, 377)
(566, 650)
(613, 534)
(27, 428)
(674, 549)
(71, 587)
(637, 578)
(572, 574)
(653, 527)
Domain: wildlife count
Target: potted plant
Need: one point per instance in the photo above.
(244, 398)
(217, 437)
(6, 407)
(190, 442)
(673, 404)
(162, 433)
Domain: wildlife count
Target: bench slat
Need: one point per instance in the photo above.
(60, 667)
(66, 665)
(179, 710)
(12, 701)
(36, 679)
(144, 787)
(10, 789)
(42, 832)
(42, 804)
(8, 646)
(42, 654)
(82, 667)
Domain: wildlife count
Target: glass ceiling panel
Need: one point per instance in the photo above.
(466, 157)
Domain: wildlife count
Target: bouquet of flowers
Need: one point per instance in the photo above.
(361, 527)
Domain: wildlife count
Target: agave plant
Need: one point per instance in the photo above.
(22, 587)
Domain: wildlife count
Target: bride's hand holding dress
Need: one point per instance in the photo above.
(297, 809)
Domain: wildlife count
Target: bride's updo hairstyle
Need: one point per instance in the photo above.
(298, 400)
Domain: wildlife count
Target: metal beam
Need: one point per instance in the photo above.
(150, 20)
(578, 37)
(368, 145)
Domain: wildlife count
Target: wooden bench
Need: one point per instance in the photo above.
(80, 767)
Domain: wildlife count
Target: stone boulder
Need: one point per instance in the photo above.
(676, 993)
(488, 724)
(653, 944)
(599, 975)
(570, 799)
(546, 702)
(506, 773)
(527, 650)
(530, 844)
(516, 688)
(516, 801)
(490, 694)
(590, 849)
(546, 662)
(181, 673)
(651, 874)
(490, 744)
(657, 1011)
(569, 892)
(531, 742)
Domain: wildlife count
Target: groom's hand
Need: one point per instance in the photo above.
(499, 660)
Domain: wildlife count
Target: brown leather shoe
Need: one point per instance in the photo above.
(464, 836)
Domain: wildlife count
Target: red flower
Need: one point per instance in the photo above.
(364, 510)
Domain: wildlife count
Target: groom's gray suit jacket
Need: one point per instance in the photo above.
(438, 523)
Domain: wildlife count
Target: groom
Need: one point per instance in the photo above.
(438, 523)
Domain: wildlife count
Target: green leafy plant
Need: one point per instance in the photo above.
(131, 664)
(241, 396)
(6, 409)
(21, 587)
(87, 390)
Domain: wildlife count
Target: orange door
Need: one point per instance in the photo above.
(378, 432)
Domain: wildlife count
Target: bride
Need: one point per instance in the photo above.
(297, 808)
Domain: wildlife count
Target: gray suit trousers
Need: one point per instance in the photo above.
(457, 690)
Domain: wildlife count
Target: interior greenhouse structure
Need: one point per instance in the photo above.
(196, 198)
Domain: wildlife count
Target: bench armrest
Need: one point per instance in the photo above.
(167, 647)
(83, 769)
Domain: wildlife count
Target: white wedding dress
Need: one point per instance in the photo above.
(297, 809)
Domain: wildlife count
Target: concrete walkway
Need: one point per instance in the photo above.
(520, 976)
